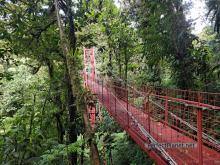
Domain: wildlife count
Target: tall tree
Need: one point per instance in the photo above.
(29, 27)
(214, 13)
(165, 35)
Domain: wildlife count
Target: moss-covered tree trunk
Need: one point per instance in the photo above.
(74, 86)
(70, 83)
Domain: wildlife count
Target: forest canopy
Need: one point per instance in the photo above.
(42, 99)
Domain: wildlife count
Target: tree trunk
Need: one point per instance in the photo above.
(60, 129)
(118, 58)
(126, 65)
(71, 86)
(72, 132)
(110, 64)
(72, 36)
(119, 63)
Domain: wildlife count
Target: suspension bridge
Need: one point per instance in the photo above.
(172, 126)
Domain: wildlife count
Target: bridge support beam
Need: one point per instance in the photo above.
(147, 110)
(102, 92)
(115, 102)
(127, 104)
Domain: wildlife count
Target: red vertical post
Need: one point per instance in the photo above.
(107, 87)
(199, 135)
(127, 105)
(102, 91)
(92, 58)
(92, 84)
(145, 107)
(87, 77)
(99, 85)
(115, 102)
(109, 99)
(84, 71)
(133, 97)
(92, 62)
(166, 110)
(148, 110)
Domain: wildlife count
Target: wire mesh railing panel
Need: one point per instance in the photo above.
(212, 99)
(176, 117)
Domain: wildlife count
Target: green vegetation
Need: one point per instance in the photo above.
(42, 100)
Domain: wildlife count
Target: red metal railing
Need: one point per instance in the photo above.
(165, 116)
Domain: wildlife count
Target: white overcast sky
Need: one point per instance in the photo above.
(197, 13)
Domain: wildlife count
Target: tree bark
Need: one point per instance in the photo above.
(73, 84)
(71, 96)
(110, 64)
(71, 100)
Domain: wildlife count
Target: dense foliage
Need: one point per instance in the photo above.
(41, 50)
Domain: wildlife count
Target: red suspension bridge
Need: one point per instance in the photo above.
(172, 126)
